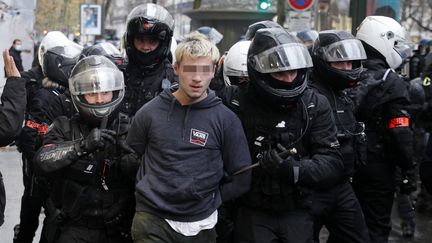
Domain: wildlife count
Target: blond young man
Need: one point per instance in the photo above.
(188, 139)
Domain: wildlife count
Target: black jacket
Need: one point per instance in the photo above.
(12, 107)
(43, 106)
(308, 127)
(143, 85)
(77, 177)
(383, 106)
(16, 55)
(349, 134)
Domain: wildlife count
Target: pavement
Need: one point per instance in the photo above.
(10, 166)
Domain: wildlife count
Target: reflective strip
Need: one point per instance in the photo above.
(42, 129)
(296, 171)
(386, 74)
(399, 122)
(426, 81)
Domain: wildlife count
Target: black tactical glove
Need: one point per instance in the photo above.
(97, 138)
(277, 163)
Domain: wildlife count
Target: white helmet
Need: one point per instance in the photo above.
(57, 39)
(387, 36)
(235, 63)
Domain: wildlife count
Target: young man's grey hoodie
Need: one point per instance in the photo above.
(185, 152)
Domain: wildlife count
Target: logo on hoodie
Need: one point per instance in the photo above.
(198, 137)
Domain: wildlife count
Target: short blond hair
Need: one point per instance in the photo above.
(196, 45)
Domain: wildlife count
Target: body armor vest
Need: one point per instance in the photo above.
(350, 133)
(264, 129)
(93, 188)
(142, 86)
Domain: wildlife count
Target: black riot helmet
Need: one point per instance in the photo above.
(59, 61)
(274, 50)
(338, 46)
(252, 29)
(105, 49)
(308, 37)
(148, 20)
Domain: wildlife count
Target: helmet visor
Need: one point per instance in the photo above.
(289, 56)
(152, 11)
(345, 50)
(95, 81)
(109, 49)
(404, 49)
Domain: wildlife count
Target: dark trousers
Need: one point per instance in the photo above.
(257, 226)
(149, 228)
(225, 225)
(374, 187)
(31, 205)
(81, 234)
(339, 210)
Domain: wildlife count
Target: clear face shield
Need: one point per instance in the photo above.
(151, 11)
(93, 81)
(109, 49)
(345, 50)
(285, 57)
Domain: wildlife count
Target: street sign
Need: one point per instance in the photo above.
(301, 5)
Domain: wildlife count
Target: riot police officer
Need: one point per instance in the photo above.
(90, 167)
(384, 109)
(337, 58)
(147, 43)
(292, 137)
(44, 83)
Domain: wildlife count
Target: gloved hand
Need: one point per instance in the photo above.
(407, 185)
(277, 163)
(271, 161)
(97, 138)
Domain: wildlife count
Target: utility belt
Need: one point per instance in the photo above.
(42, 129)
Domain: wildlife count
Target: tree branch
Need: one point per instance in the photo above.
(419, 23)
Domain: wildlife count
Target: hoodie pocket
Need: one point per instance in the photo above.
(170, 189)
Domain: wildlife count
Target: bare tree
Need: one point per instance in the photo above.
(415, 15)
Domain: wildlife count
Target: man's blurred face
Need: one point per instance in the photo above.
(195, 74)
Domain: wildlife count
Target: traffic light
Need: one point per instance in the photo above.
(263, 4)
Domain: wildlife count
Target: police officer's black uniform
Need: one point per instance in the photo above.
(91, 172)
(385, 114)
(147, 74)
(337, 207)
(277, 117)
(46, 102)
